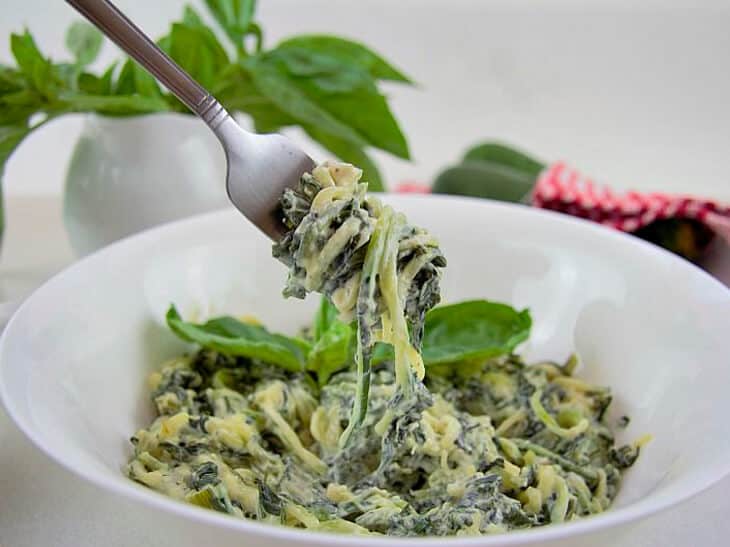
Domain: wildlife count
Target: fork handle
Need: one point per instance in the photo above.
(112, 22)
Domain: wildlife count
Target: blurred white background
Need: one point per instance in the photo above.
(635, 93)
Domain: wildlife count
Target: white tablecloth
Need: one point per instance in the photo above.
(42, 504)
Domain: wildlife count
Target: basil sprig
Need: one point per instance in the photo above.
(326, 85)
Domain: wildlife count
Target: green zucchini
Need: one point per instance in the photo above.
(485, 179)
(501, 154)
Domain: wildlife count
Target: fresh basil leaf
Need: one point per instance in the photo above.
(135, 80)
(350, 153)
(277, 85)
(106, 80)
(125, 84)
(84, 42)
(325, 317)
(19, 98)
(367, 111)
(164, 43)
(144, 83)
(333, 348)
(198, 52)
(96, 85)
(237, 92)
(258, 36)
(37, 70)
(360, 116)
(346, 91)
(92, 84)
(333, 351)
(191, 17)
(17, 107)
(328, 73)
(348, 52)
(17, 101)
(232, 337)
(10, 79)
(234, 17)
(67, 73)
(476, 329)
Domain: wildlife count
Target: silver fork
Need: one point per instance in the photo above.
(259, 168)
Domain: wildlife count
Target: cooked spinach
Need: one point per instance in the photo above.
(469, 455)
(204, 474)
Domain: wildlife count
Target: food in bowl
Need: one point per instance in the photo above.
(340, 430)
(378, 270)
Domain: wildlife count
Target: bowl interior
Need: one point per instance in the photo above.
(75, 358)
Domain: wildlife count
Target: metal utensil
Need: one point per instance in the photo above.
(260, 167)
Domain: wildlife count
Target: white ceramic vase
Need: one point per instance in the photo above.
(128, 174)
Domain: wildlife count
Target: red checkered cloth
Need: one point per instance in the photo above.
(562, 188)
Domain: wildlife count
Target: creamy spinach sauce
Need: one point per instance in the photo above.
(375, 267)
(372, 446)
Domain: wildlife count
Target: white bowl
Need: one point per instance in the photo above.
(75, 357)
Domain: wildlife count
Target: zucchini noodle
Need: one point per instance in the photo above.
(376, 268)
(476, 456)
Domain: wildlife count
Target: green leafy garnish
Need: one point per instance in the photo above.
(333, 348)
(329, 92)
(233, 337)
(456, 333)
(467, 331)
(196, 49)
(349, 53)
(324, 318)
(271, 76)
(332, 353)
(475, 329)
(324, 84)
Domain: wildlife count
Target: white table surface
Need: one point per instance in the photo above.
(42, 504)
